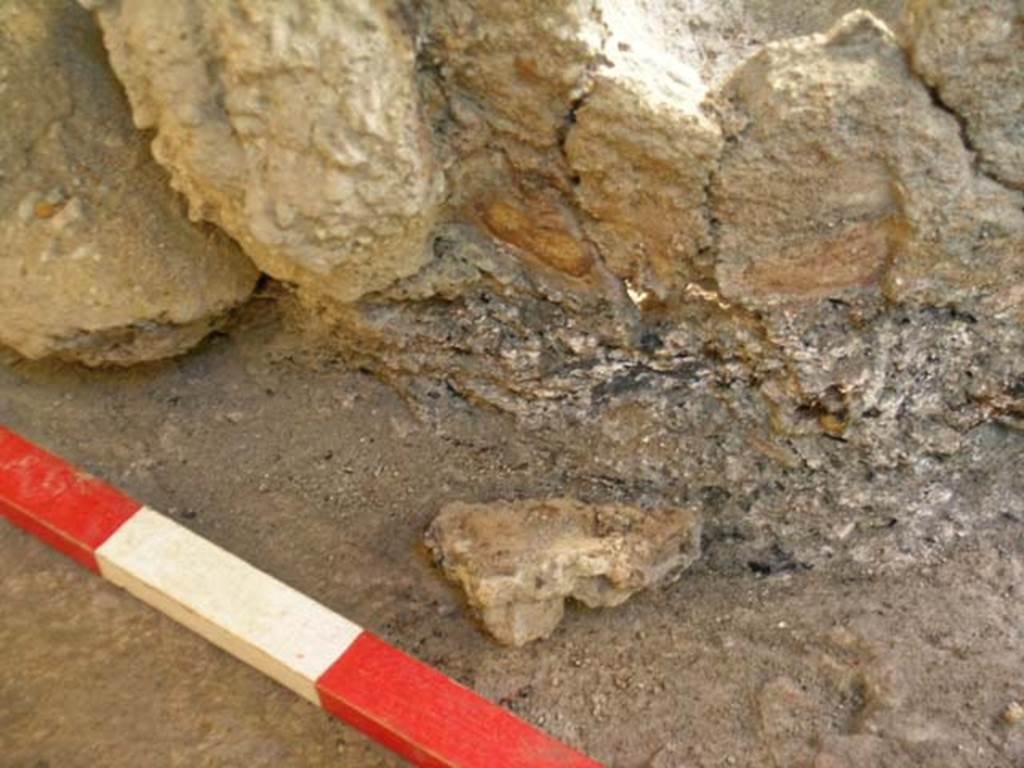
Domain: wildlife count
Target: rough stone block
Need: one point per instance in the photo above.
(519, 561)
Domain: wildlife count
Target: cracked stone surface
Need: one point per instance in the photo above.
(294, 126)
(606, 187)
(98, 262)
(754, 257)
(631, 236)
(642, 150)
(518, 561)
(524, 62)
(970, 52)
(790, 217)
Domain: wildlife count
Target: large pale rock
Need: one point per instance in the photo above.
(98, 262)
(972, 52)
(841, 178)
(293, 125)
(519, 561)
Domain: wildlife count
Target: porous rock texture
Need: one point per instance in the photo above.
(970, 52)
(98, 262)
(880, 195)
(777, 205)
(293, 125)
(882, 224)
(756, 257)
(811, 234)
(519, 561)
(577, 157)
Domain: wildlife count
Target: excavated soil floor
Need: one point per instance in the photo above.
(326, 478)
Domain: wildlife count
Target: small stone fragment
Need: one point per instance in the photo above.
(1014, 713)
(517, 561)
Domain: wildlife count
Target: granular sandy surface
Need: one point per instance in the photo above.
(326, 478)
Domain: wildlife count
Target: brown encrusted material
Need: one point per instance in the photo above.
(518, 561)
(540, 232)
